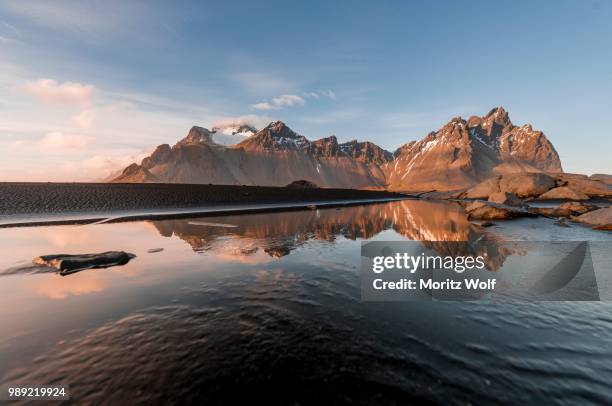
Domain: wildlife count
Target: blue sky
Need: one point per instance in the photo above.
(86, 87)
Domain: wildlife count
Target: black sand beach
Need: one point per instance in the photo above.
(53, 198)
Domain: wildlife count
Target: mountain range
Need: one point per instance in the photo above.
(458, 155)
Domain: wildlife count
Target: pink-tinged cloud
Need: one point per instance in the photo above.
(85, 118)
(251, 120)
(50, 91)
(104, 166)
(65, 142)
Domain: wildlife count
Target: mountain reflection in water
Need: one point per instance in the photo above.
(278, 234)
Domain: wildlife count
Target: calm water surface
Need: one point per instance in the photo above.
(269, 309)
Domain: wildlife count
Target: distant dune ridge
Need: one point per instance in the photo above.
(458, 155)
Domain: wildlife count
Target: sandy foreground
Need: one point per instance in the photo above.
(39, 199)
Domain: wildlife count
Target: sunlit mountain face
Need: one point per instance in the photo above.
(457, 155)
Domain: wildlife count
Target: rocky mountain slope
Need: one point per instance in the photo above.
(273, 156)
(462, 153)
(458, 155)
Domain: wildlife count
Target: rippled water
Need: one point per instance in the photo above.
(267, 307)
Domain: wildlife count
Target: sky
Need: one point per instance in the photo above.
(87, 87)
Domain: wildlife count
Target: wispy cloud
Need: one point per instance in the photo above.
(85, 118)
(321, 94)
(81, 132)
(7, 39)
(8, 33)
(77, 17)
(50, 91)
(227, 128)
(252, 120)
(59, 141)
(280, 102)
(105, 165)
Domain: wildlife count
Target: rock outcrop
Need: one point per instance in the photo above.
(505, 198)
(582, 183)
(597, 218)
(563, 193)
(526, 184)
(302, 184)
(490, 211)
(563, 186)
(135, 174)
(568, 209)
(607, 179)
(577, 208)
(483, 190)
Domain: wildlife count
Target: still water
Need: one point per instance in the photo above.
(267, 307)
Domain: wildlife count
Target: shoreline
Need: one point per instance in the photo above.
(213, 211)
(37, 204)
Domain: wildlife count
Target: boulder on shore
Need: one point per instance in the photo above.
(563, 193)
(302, 184)
(526, 184)
(607, 179)
(592, 187)
(568, 209)
(483, 190)
(596, 218)
(567, 186)
(508, 199)
(67, 264)
(491, 211)
(550, 211)
(578, 207)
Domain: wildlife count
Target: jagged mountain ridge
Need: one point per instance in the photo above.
(462, 153)
(273, 156)
(458, 155)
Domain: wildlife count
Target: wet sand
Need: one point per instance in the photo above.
(54, 198)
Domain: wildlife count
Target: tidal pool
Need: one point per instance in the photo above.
(269, 309)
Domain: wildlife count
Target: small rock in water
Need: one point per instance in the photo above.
(509, 199)
(68, 264)
(487, 224)
(568, 209)
(561, 223)
(603, 227)
(578, 207)
(154, 250)
(551, 211)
